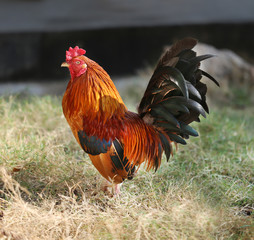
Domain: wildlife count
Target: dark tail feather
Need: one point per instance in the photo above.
(175, 96)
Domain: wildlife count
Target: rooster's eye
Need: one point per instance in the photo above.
(78, 62)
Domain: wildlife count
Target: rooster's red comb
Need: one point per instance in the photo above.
(74, 52)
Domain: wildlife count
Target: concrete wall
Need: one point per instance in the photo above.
(65, 15)
(122, 36)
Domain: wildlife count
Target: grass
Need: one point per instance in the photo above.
(50, 190)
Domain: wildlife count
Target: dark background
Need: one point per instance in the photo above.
(122, 36)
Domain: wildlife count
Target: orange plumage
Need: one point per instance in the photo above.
(118, 140)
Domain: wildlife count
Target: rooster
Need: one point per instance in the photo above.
(118, 141)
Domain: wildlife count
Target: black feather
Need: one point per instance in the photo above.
(187, 54)
(160, 112)
(193, 91)
(196, 60)
(173, 107)
(175, 95)
(166, 145)
(186, 129)
(173, 75)
(176, 138)
(195, 106)
(92, 144)
(169, 127)
(120, 162)
(117, 158)
(210, 77)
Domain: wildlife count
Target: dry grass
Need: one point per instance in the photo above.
(50, 190)
(177, 214)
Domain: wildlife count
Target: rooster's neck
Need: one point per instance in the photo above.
(94, 95)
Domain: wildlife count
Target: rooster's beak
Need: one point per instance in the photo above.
(64, 64)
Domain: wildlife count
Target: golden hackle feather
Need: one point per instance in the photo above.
(141, 141)
(91, 96)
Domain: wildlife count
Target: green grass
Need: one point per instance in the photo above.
(50, 190)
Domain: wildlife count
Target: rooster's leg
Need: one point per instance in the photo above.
(111, 188)
(117, 188)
